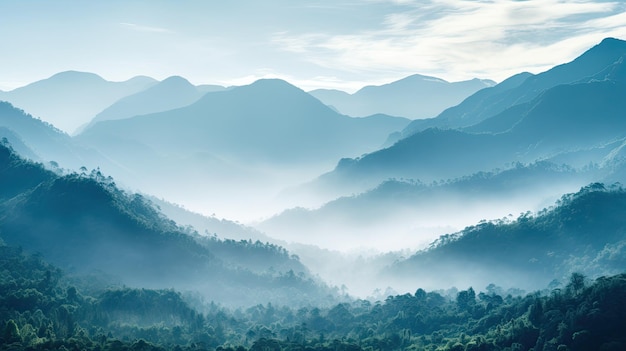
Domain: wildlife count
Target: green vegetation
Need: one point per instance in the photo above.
(583, 232)
(101, 231)
(40, 309)
(84, 224)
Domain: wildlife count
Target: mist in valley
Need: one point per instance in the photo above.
(413, 214)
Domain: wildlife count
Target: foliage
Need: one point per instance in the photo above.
(41, 310)
(85, 224)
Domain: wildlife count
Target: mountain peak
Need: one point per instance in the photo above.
(603, 54)
(175, 79)
(612, 42)
(75, 76)
(272, 83)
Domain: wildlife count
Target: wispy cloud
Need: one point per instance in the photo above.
(142, 28)
(463, 39)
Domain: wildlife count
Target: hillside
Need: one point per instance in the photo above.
(411, 214)
(236, 148)
(85, 224)
(42, 142)
(585, 232)
(523, 88)
(70, 99)
(171, 93)
(42, 309)
(542, 122)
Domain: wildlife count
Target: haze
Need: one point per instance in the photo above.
(362, 127)
(317, 44)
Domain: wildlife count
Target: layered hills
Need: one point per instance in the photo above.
(414, 97)
(171, 93)
(83, 223)
(247, 140)
(584, 232)
(70, 99)
(570, 108)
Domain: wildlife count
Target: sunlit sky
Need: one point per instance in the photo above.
(342, 44)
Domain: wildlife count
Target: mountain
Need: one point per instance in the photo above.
(524, 87)
(70, 99)
(414, 97)
(563, 120)
(236, 143)
(267, 120)
(584, 232)
(209, 225)
(169, 94)
(413, 213)
(42, 142)
(45, 309)
(85, 224)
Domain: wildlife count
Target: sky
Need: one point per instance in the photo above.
(341, 44)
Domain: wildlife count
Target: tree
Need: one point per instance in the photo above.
(466, 299)
(576, 284)
(11, 332)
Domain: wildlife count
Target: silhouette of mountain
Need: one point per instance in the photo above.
(37, 140)
(524, 88)
(411, 212)
(171, 93)
(559, 120)
(583, 233)
(268, 120)
(414, 97)
(250, 138)
(84, 224)
(70, 99)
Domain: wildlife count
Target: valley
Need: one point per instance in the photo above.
(158, 214)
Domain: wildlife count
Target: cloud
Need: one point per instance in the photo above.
(464, 39)
(141, 28)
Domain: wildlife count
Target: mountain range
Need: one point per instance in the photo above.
(70, 99)
(87, 226)
(171, 93)
(583, 232)
(512, 147)
(569, 109)
(413, 97)
(245, 140)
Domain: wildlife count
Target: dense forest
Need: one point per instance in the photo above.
(85, 224)
(42, 309)
(61, 306)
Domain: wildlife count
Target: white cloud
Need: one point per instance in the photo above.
(141, 28)
(464, 39)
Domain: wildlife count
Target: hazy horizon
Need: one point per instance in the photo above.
(322, 44)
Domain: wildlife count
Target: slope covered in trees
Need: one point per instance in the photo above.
(585, 232)
(84, 223)
(41, 309)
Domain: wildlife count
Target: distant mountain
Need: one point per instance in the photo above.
(235, 143)
(269, 120)
(585, 232)
(411, 213)
(414, 97)
(173, 92)
(562, 120)
(38, 140)
(85, 224)
(524, 87)
(70, 99)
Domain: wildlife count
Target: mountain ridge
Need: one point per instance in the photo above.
(415, 97)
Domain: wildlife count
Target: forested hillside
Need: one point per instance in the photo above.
(85, 224)
(41, 309)
(584, 232)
